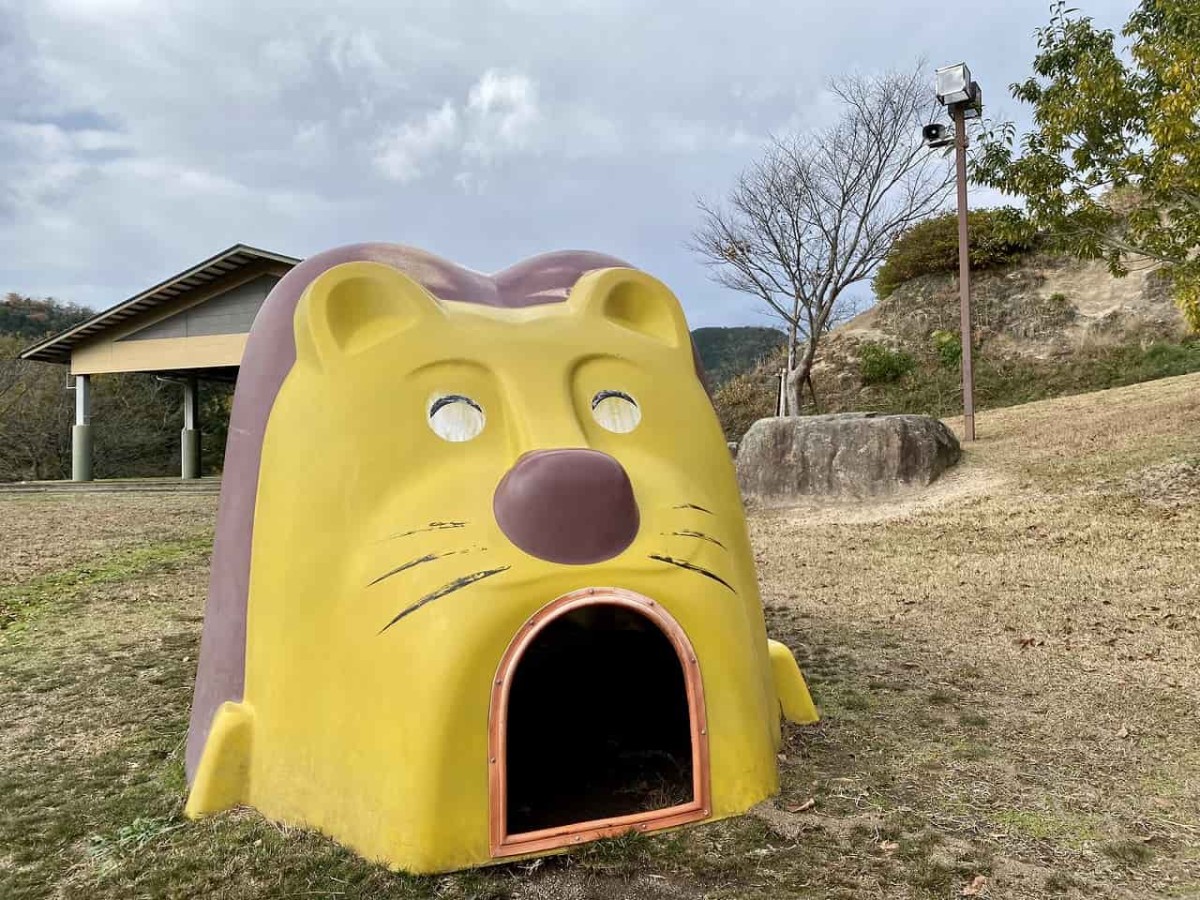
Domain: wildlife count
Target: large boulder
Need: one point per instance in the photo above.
(784, 460)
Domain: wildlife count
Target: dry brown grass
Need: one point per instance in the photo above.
(1021, 663)
(1007, 666)
(49, 532)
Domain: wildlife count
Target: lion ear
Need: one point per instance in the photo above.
(352, 307)
(634, 300)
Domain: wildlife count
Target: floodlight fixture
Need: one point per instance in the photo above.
(973, 109)
(953, 84)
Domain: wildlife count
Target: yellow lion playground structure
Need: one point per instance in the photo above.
(482, 586)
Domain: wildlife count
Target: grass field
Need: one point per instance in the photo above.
(1008, 666)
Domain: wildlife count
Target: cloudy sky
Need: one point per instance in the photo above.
(139, 136)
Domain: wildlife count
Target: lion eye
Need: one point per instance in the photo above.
(455, 418)
(616, 411)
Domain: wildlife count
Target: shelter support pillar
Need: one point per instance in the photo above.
(81, 433)
(190, 439)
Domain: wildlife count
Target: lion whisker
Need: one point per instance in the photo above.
(692, 567)
(432, 526)
(699, 535)
(420, 560)
(456, 585)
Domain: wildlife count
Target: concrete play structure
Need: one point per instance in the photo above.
(482, 586)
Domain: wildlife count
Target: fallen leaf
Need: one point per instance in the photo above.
(975, 888)
(802, 807)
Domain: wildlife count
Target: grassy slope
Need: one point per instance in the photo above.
(934, 388)
(1007, 670)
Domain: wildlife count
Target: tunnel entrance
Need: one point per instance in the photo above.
(599, 725)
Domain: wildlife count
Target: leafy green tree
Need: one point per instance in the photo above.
(1111, 169)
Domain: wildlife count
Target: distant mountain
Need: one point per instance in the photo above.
(30, 318)
(728, 352)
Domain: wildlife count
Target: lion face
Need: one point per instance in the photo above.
(433, 474)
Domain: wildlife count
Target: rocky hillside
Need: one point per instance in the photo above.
(1045, 306)
(1044, 326)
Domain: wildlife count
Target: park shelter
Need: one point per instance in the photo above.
(190, 328)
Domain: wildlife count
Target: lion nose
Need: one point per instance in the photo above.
(567, 506)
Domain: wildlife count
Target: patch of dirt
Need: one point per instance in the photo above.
(581, 885)
(962, 482)
(1171, 485)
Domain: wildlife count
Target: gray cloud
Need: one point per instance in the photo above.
(138, 136)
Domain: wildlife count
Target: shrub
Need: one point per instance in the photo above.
(948, 347)
(878, 364)
(998, 236)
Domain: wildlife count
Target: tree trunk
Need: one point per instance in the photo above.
(791, 406)
(795, 384)
(799, 376)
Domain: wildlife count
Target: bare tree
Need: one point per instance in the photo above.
(35, 416)
(136, 425)
(819, 210)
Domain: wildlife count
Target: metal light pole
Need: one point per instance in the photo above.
(964, 275)
(963, 98)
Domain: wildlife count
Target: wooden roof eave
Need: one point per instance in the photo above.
(57, 348)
